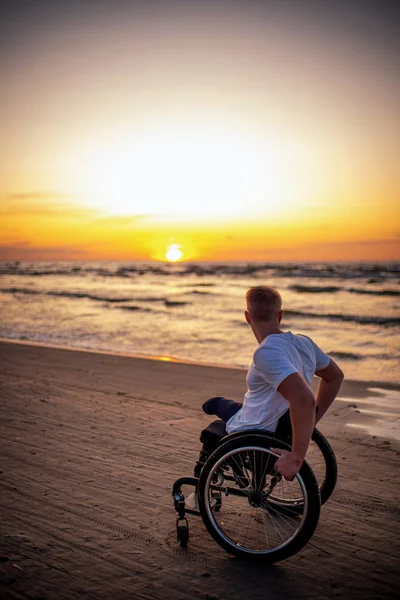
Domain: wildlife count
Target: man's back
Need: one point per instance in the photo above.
(278, 356)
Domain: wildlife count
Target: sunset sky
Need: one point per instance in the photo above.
(246, 130)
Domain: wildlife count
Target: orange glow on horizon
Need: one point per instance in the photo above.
(57, 235)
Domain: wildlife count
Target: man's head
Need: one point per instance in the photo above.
(264, 305)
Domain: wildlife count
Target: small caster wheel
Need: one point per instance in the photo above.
(182, 531)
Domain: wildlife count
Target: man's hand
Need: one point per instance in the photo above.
(288, 464)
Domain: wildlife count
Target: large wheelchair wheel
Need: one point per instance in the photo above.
(322, 460)
(255, 518)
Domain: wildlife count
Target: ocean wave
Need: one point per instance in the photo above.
(36, 272)
(346, 355)
(375, 292)
(19, 291)
(204, 284)
(340, 355)
(135, 308)
(314, 289)
(361, 319)
(170, 303)
(78, 295)
(320, 289)
(175, 303)
(83, 295)
(150, 299)
(372, 272)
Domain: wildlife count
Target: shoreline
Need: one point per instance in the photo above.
(352, 384)
(367, 410)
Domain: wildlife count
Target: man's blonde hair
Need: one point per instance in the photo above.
(263, 303)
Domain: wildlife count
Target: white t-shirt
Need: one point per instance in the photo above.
(277, 357)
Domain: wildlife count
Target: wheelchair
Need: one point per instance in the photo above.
(249, 509)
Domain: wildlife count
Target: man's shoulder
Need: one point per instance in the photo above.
(282, 343)
(272, 345)
(303, 338)
(278, 341)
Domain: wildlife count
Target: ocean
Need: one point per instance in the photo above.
(194, 311)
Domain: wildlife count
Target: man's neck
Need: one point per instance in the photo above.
(263, 330)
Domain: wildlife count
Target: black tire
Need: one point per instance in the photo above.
(267, 513)
(328, 482)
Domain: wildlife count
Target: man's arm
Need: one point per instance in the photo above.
(302, 416)
(328, 388)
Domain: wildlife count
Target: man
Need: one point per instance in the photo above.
(279, 378)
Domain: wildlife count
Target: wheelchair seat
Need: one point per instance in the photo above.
(212, 434)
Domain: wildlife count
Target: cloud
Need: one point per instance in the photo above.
(59, 205)
(24, 251)
(121, 221)
(44, 204)
(36, 195)
(347, 243)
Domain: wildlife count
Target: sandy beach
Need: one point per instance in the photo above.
(91, 444)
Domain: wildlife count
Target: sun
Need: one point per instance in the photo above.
(173, 253)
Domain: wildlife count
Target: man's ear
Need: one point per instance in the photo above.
(247, 316)
(280, 314)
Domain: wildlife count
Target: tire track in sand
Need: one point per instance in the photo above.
(96, 523)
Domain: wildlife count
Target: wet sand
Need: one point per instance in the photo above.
(91, 444)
